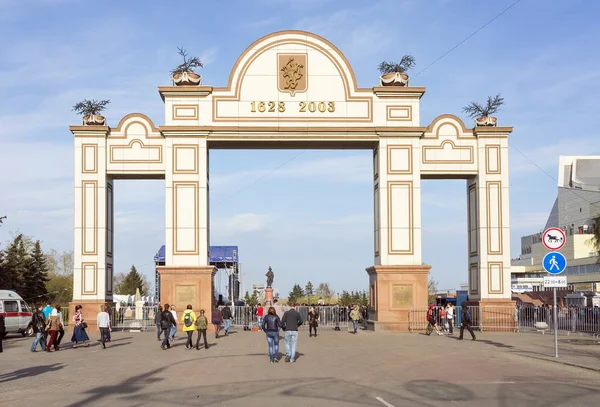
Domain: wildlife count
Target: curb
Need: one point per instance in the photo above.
(593, 369)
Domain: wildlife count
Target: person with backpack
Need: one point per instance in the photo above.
(166, 324)
(201, 327)
(189, 318)
(227, 317)
(465, 322)
(432, 321)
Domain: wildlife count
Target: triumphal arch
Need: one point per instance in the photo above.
(296, 90)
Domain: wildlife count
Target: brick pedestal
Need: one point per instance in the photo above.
(90, 311)
(185, 285)
(393, 291)
(494, 315)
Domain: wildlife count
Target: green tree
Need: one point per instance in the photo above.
(309, 292)
(60, 276)
(345, 299)
(253, 300)
(324, 291)
(131, 283)
(431, 290)
(295, 294)
(35, 275)
(247, 298)
(596, 236)
(355, 297)
(364, 299)
(14, 265)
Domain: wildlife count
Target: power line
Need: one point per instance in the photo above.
(549, 175)
(469, 36)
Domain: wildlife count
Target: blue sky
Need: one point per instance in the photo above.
(310, 219)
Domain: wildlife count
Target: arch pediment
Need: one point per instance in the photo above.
(291, 76)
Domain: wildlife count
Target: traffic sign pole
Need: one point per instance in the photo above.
(555, 325)
(554, 263)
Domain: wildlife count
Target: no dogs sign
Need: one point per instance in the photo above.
(554, 238)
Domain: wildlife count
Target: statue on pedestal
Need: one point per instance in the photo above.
(270, 275)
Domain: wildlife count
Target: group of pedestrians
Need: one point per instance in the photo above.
(49, 327)
(289, 323)
(442, 319)
(166, 326)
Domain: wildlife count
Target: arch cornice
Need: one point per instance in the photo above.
(291, 36)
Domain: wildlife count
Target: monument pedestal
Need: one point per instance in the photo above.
(497, 315)
(183, 285)
(90, 311)
(394, 290)
(269, 296)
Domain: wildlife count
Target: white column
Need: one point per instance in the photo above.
(488, 220)
(397, 195)
(187, 213)
(93, 221)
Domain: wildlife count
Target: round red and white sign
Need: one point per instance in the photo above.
(554, 238)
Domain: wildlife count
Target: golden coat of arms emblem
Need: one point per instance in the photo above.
(291, 70)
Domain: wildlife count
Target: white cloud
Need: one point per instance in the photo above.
(240, 224)
(339, 169)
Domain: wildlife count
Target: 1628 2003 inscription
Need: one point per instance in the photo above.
(302, 107)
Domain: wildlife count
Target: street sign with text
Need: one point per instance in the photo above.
(555, 282)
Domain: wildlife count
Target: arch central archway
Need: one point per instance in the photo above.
(294, 89)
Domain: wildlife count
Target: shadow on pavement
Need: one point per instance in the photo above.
(30, 371)
(439, 390)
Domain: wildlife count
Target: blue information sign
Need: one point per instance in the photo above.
(554, 263)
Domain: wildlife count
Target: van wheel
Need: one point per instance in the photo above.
(28, 331)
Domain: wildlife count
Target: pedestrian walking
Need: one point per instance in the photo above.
(189, 318)
(201, 327)
(38, 323)
(217, 320)
(465, 322)
(259, 315)
(103, 325)
(291, 321)
(79, 331)
(166, 323)
(52, 326)
(2, 331)
(442, 322)
(157, 319)
(355, 317)
(450, 318)
(109, 311)
(61, 325)
(174, 327)
(432, 322)
(227, 317)
(313, 321)
(271, 325)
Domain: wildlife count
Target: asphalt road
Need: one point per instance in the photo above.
(334, 369)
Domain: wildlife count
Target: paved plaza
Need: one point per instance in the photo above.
(334, 369)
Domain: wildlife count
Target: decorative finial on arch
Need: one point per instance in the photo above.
(482, 113)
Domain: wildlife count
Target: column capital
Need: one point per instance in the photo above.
(90, 131)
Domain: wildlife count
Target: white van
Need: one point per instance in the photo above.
(17, 314)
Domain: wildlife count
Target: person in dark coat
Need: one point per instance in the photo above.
(465, 322)
(167, 322)
(2, 331)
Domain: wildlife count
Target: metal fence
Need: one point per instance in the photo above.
(516, 319)
(142, 318)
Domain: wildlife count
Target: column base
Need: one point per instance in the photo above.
(90, 311)
(396, 290)
(495, 315)
(181, 286)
